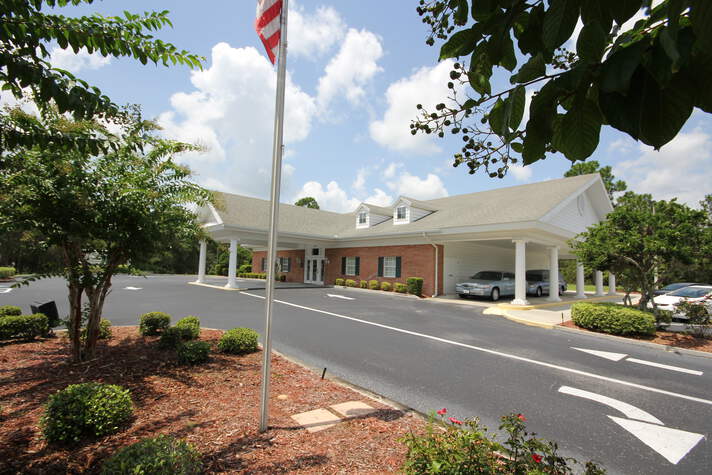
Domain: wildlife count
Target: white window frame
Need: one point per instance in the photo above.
(284, 264)
(389, 266)
(405, 213)
(350, 266)
(363, 217)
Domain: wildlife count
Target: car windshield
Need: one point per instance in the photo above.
(672, 287)
(692, 292)
(534, 276)
(488, 275)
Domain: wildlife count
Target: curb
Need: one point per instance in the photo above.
(555, 304)
(377, 292)
(523, 321)
(201, 284)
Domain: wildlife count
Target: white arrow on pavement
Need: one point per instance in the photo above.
(335, 296)
(133, 288)
(627, 409)
(673, 444)
(619, 356)
(5, 291)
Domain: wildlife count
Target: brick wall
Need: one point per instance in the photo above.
(296, 256)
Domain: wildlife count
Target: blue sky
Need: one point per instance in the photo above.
(356, 70)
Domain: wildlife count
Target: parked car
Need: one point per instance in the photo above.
(693, 293)
(678, 285)
(487, 283)
(538, 282)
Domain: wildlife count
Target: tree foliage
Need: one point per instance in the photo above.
(28, 27)
(307, 202)
(642, 236)
(102, 211)
(644, 81)
(609, 181)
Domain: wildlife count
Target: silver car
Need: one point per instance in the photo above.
(487, 283)
(538, 282)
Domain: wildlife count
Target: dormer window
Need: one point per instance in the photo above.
(400, 212)
(362, 217)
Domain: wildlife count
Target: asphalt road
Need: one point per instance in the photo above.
(617, 409)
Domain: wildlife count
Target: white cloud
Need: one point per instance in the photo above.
(360, 180)
(231, 113)
(313, 35)
(331, 198)
(391, 169)
(75, 62)
(682, 168)
(379, 198)
(349, 72)
(412, 186)
(520, 172)
(427, 86)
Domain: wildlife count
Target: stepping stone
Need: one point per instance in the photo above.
(316, 420)
(353, 409)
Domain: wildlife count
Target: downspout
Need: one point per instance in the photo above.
(436, 262)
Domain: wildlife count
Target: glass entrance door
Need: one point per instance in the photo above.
(314, 271)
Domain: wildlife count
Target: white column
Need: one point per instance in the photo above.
(599, 283)
(611, 283)
(580, 281)
(554, 275)
(201, 261)
(520, 270)
(232, 266)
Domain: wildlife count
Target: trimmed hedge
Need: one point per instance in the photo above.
(153, 323)
(612, 318)
(363, 284)
(189, 326)
(400, 288)
(386, 286)
(350, 283)
(194, 352)
(171, 338)
(162, 455)
(339, 282)
(374, 285)
(415, 285)
(239, 341)
(10, 311)
(86, 409)
(253, 275)
(23, 326)
(7, 272)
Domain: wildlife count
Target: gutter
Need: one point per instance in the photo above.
(425, 236)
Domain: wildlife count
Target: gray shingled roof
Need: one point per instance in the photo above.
(504, 205)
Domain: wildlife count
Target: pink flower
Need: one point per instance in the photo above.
(442, 411)
(537, 458)
(454, 421)
(521, 417)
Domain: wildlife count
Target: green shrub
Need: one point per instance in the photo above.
(339, 282)
(350, 283)
(283, 278)
(194, 352)
(171, 338)
(161, 455)
(612, 318)
(245, 269)
(104, 330)
(23, 326)
(7, 272)
(363, 284)
(190, 327)
(415, 285)
(10, 311)
(400, 288)
(253, 275)
(386, 286)
(153, 323)
(87, 409)
(239, 341)
(374, 285)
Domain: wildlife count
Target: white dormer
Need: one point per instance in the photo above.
(370, 215)
(407, 210)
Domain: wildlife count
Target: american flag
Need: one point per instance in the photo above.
(267, 25)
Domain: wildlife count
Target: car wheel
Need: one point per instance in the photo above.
(495, 294)
(539, 292)
(562, 290)
(462, 296)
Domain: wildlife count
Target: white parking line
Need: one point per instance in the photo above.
(665, 366)
(497, 353)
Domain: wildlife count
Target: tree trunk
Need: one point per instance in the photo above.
(74, 326)
(96, 297)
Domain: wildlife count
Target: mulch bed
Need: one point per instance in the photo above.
(679, 340)
(214, 406)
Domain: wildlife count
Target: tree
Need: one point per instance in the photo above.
(706, 205)
(609, 181)
(102, 211)
(642, 236)
(307, 202)
(644, 81)
(27, 29)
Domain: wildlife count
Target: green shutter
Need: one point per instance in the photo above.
(289, 264)
(358, 265)
(343, 266)
(380, 267)
(263, 264)
(398, 266)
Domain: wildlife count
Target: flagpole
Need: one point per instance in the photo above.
(274, 215)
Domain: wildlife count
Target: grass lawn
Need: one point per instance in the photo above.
(588, 288)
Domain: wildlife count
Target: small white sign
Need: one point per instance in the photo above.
(133, 288)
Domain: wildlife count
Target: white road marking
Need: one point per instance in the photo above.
(627, 409)
(665, 366)
(336, 296)
(5, 291)
(603, 354)
(673, 444)
(133, 288)
(498, 353)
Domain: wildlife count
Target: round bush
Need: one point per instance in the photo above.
(171, 338)
(350, 283)
(87, 409)
(162, 455)
(339, 282)
(6, 272)
(194, 352)
(386, 286)
(400, 288)
(363, 284)
(23, 326)
(152, 323)
(190, 327)
(10, 311)
(612, 318)
(239, 341)
(374, 285)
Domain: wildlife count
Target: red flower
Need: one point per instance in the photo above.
(521, 417)
(442, 411)
(537, 458)
(454, 421)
